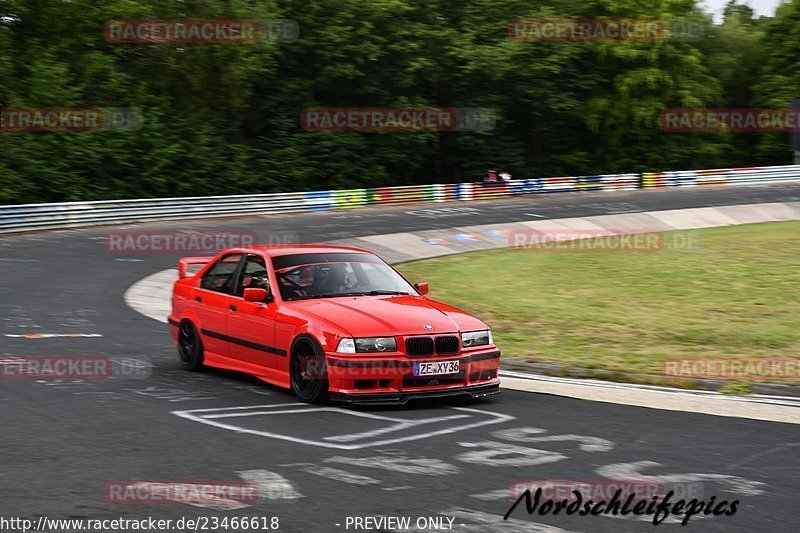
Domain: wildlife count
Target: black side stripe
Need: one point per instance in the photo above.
(173, 322)
(242, 342)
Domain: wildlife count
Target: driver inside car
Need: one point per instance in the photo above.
(329, 279)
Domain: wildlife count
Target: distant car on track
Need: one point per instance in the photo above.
(329, 323)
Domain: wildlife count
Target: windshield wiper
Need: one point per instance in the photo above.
(312, 297)
(338, 294)
(372, 293)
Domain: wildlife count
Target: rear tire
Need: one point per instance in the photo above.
(190, 347)
(308, 372)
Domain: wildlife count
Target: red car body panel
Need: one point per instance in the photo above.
(256, 338)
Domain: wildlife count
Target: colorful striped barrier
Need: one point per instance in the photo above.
(653, 179)
(712, 177)
(620, 182)
(19, 218)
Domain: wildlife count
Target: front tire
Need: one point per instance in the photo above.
(190, 347)
(309, 372)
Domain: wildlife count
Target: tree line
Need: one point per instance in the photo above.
(225, 118)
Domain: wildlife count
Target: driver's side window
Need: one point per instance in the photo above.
(219, 278)
(254, 275)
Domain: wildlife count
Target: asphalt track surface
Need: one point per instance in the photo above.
(63, 441)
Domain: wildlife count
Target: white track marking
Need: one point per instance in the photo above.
(494, 495)
(60, 383)
(152, 296)
(503, 454)
(585, 443)
(400, 462)
(241, 408)
(271, 486)
(309, 409)
(254, 390)
(620, 388)
(171, 395)
(335, 474)
(383, 431)
(210, 416)
(260, 413)
(762, 453)
(631, 471)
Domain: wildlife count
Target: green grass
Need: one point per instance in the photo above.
(735, 294)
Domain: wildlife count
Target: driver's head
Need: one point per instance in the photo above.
(338, 276)
(259, 280)
(331, 278)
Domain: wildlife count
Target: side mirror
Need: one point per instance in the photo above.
(256, 295)
(422, 287)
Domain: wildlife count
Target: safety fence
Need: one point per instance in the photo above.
(28, 217)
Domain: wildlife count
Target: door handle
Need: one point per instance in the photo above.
(198, 298)
(232, 307)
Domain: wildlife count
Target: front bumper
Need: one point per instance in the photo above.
(402, 398)
(391, 380)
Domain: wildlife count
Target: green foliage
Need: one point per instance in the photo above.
(736, 387)
(780, 74)
(731, 294)
(225, 118)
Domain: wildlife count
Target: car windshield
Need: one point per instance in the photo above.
(329, 275)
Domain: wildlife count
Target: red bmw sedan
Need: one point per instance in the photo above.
(329, 323)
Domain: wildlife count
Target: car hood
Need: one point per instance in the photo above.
(376, 316)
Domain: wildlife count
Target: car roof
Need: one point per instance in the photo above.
(292, 249)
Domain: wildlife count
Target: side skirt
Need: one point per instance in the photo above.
(270, 375)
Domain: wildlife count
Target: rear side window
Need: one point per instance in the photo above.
(219, 277)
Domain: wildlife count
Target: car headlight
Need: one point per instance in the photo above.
(376, 344)
(476, 338)
(346, 346)
(367, 345)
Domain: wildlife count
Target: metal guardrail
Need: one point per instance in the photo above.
(28, 217)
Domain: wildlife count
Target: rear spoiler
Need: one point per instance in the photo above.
(186, 262)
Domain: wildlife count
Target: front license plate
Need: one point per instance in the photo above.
(437, 368)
